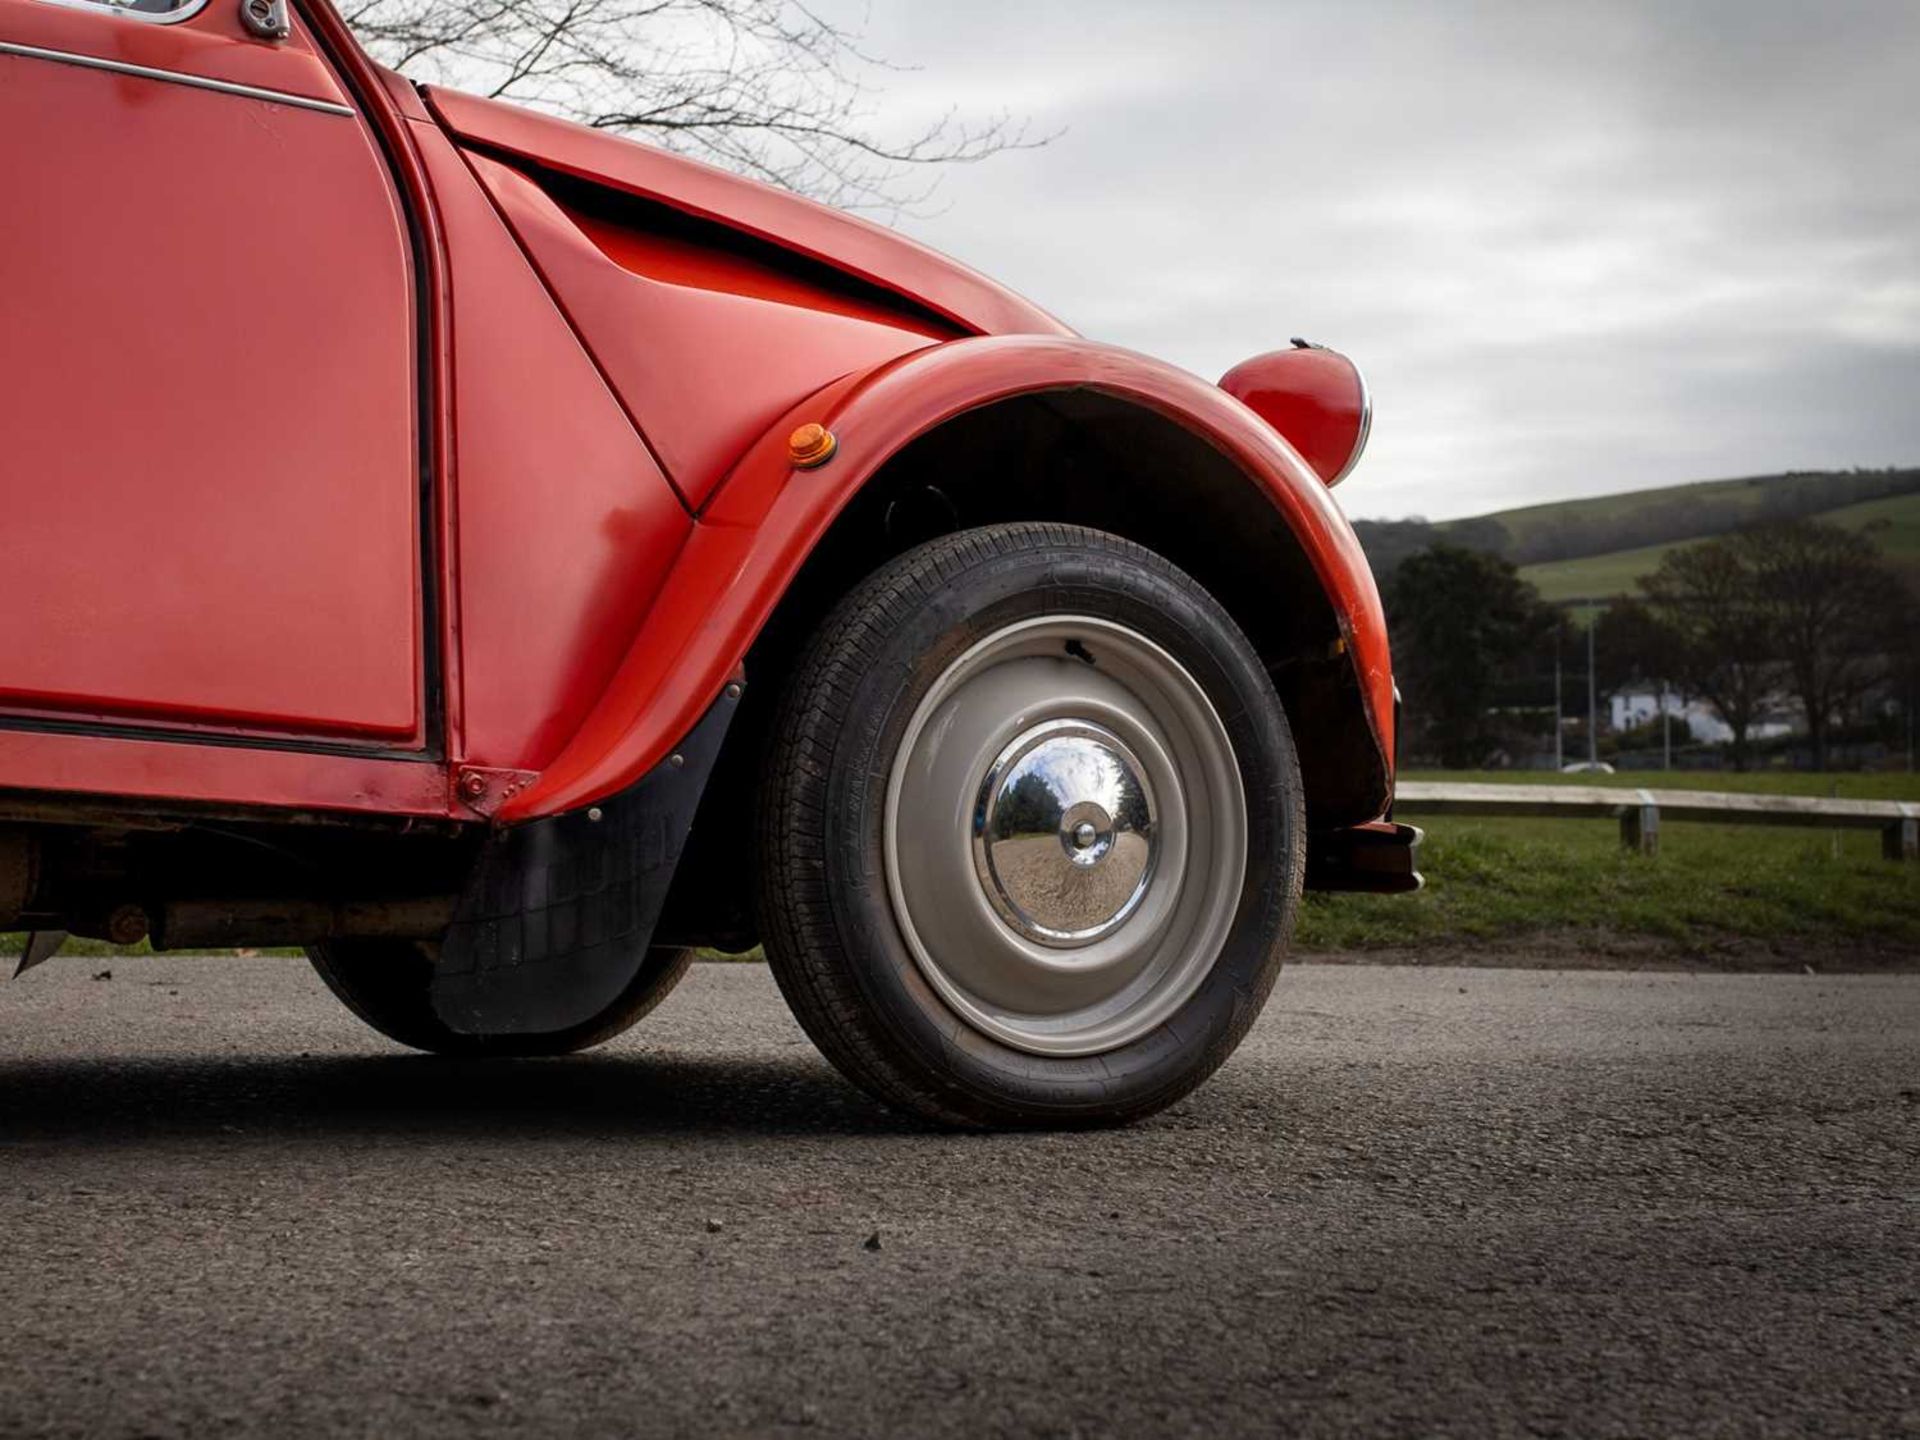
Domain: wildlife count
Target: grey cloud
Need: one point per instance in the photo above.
(1577, 248)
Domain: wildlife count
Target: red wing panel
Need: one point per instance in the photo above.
(706, 348)
(765, 520)
(858, 247)
(565, 526)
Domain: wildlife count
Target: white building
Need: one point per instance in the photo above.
(1641, 707)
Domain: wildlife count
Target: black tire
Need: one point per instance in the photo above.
(387, 982)
(830, 929)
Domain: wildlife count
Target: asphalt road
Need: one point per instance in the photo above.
(1419, 1201)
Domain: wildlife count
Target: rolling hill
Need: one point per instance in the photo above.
(1599, 546)
(1894, 521)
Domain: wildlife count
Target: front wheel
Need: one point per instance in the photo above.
(1033, 835)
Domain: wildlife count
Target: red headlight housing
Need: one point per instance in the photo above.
(1315, 397)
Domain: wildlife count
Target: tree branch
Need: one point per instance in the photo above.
(765, 87)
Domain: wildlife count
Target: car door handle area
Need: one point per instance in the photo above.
(266, 18)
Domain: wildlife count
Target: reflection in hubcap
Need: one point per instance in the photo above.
(1064, 835)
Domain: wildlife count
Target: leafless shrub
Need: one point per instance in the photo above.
(763, 87)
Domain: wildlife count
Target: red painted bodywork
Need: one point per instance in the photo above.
(709, 353)
(767, 516)
(567, 526)
(349, 453)
(208, 422)
(855, 247)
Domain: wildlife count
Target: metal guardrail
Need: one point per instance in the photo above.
(1640, 811)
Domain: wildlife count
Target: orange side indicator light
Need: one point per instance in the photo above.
(811, 446)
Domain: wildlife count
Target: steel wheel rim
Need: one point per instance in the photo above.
(1080, 939)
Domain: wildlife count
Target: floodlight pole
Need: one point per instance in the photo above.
(1666, 731)
(1559, 723)
(1593, 692)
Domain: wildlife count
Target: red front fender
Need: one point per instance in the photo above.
(765, 518)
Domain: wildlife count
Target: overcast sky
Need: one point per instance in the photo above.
(1576, 248)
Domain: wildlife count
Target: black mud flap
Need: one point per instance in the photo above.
(557, 914)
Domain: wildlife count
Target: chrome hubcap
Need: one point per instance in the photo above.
(1064, 845)
(1065, 835)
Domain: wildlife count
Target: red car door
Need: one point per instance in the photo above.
(209, 458)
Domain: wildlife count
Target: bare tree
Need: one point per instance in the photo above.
(1462, 620)
(764, 87)
(1829, 601)
(1705, 595)
(1902, 685)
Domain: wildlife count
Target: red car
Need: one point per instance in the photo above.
(500, 557)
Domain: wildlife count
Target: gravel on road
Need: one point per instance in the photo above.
(1433, 1201)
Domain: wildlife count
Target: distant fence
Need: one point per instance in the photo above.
(1640, 811)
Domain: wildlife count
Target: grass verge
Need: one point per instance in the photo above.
(1846, 784)
(1737, 895)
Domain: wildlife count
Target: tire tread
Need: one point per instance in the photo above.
(797, 914)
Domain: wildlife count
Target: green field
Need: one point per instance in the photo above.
(1716, 894)
(1593, 576)
(1730, 894)
(1896, 522)
(1562, 527)
(1846, 784)
(1528, 525)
